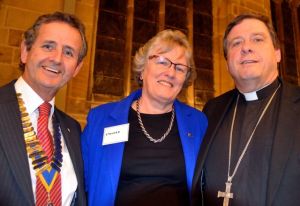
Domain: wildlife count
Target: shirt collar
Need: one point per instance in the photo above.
(31, 99)
(250, 96)
(263, 92)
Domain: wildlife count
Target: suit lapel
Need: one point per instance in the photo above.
(12, 142)
(215, 117)
(187, 141)
(214, 123)
(283, 140)
(71, 136)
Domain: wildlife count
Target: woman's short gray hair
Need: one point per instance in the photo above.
(164, 41)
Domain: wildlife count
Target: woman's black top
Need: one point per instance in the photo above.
(152, 173)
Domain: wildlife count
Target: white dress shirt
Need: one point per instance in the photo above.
(68, 177)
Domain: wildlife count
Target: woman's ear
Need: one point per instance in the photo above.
(141, 76)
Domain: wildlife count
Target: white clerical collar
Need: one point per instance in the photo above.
(250, 96)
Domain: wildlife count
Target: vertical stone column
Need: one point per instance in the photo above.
(128, 47)
(190, 94)
(295, 6)
(161, 15)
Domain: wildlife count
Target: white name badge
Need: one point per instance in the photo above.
(115, 134)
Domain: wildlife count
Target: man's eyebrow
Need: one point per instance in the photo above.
(234, 38)
(68, 47)
(258, 34)
(253, 34)
(49, 41)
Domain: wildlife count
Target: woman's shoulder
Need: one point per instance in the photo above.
(186, 107)
(119, 104)
(189, 110)
(104, 107)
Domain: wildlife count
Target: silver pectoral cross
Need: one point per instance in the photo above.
(226, 195)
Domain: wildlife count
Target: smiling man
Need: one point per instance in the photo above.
(250, 154)
(40, 152)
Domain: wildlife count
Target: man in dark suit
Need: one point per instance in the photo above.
(40, 156)
(250, 154)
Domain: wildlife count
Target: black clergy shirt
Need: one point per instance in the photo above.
(249, 185)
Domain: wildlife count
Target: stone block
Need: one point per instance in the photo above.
(203, 24)
(92, 2)
(36, 5)
(15, 37)
(77, 105)
(110, 44)
(291, 67)
(181, 3)
(204, 80)
(257, 6)
(202, 96)
(112, 25)
(3, 11)
(8, 73)
(202, 6)
(79, 85)
(3, 35)
(182, 95)
(16, 56)
(176, 17)
(204, 63)
(109, 63)
(289, 48)
(146, 9)
(20, 19)
(133, 84)
(291, 79)
(85, 12)
(108, 85)
(90, 33)
(114, 5)
(6, 54)
(288, 24)
(143, 30)
(135, 47)
(202, 46)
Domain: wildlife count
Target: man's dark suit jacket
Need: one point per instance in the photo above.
(284, 175)
(15, 186)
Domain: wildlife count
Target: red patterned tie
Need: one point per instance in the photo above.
(47, 144)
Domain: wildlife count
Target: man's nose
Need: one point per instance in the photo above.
(246, 48)
(56, 55)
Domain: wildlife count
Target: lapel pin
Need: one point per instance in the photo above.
(68, 130)
(189, 134)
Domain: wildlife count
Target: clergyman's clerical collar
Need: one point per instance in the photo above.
(261, 93)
